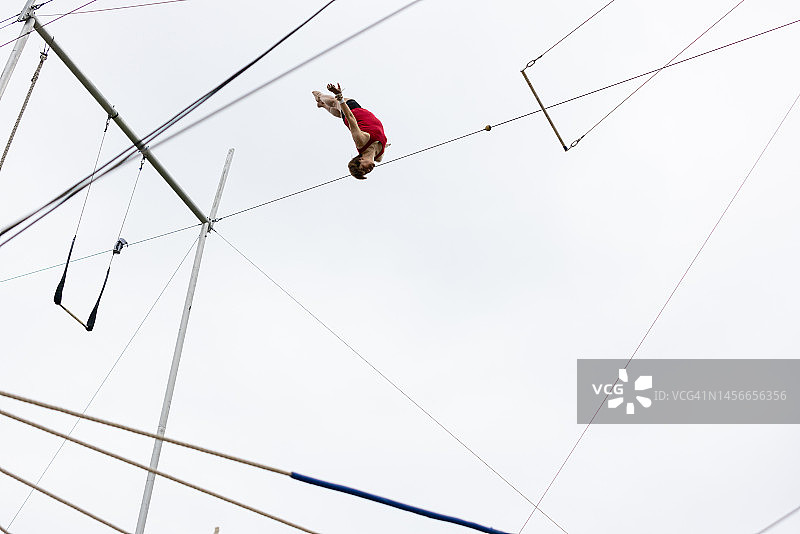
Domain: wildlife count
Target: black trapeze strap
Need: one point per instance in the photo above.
(93, 315)
(60, 289)
(120, 244)
(117, 250)
(89, 324)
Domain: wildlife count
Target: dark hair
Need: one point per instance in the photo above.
(355, 168)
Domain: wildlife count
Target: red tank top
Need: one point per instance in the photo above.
(370, 124)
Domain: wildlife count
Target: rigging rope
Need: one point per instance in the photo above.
(672, 293)
(91, 177)
(779, 520)
(123, 157)
(9, 18)
(507, 121)
(46, 23)
(106, 377)
(59, 294)
(615, 108)
(388, 380)
(154, 471)
(531, 62)
(291, 474)
(62, 501)
(151, 238)
(120, 244)
(394, 504)
(113, 8)
(654, 73)
(42, 58)
(576, 28)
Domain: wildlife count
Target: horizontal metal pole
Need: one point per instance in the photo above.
(115, 116)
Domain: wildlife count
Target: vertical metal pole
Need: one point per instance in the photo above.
(25, 15)
(218, 196)
(176, 357)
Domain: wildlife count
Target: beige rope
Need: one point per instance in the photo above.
(154, 471)
(146, 434)
(42, 57)
(62, 501)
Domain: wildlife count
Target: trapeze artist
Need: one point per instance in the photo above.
(366, 129)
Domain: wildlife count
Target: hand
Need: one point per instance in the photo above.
(335, 89)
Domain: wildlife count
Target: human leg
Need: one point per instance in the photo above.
(328, 102)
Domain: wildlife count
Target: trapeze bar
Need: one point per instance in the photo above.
(74, 316)
(564, 146)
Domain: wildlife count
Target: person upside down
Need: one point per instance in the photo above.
(366, 129)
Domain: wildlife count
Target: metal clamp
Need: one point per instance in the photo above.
(119, 245)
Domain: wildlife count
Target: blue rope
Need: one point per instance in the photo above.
(394, 504)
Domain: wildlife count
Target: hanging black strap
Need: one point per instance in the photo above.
(89, 324)
(93, 315)
(118, 246)
(59, 294)
(121, 243)
(60, 289)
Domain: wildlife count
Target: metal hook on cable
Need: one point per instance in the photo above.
(531, 62)
(575, 143)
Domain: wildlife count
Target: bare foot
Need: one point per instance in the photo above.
(317, 94)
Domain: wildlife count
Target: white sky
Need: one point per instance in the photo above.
(473, 275)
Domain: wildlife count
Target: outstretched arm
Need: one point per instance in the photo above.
(360, 138)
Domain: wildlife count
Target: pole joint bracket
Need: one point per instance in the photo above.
(28, 13)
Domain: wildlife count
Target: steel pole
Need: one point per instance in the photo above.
(176, 357)
(16, 52)
(115, 116)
